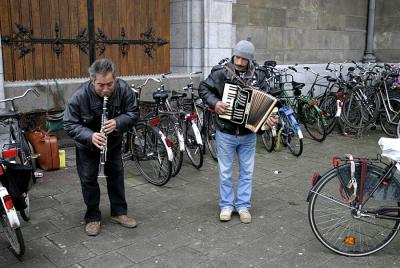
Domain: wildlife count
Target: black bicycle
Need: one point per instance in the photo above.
(25, 157)
(354, 208)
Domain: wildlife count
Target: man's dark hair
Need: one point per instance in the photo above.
(102, 67)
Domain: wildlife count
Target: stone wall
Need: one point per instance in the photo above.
(303, 31)
(387, 31)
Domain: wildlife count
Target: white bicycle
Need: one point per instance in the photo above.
(8, 213)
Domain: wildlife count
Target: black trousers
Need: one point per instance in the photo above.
(87, 163)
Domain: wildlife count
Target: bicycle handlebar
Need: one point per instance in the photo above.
(34, 90)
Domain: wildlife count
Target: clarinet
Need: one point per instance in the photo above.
(103, 153)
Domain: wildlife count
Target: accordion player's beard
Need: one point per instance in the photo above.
(241, 68)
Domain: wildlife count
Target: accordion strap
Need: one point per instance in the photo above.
(232, 72)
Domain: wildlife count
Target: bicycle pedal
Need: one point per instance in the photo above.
(35, 156)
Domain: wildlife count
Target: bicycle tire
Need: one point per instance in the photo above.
(358, 112)
(390, 128)
(334, 221)
(268, 140)
(171, 131)
(313, 122)
(193, 149)
(14, 236)
(150, 155)
(328, 105)
(210, 135)
(291, 136)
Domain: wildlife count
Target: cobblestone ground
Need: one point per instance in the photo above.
(178, 223)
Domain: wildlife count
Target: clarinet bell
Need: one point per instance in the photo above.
(101, 174)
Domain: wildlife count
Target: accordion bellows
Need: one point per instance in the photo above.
(248, 106)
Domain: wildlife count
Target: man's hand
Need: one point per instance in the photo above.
(110, 126)
(220, 108)
(99, 140)
(272, 121)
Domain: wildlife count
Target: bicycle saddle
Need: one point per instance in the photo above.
(297, 85)
(160, 96)
(177, 95)
(331, 79)
(6, 114)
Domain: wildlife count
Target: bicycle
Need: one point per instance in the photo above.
(307, 111)
(354, 208)
(17, 138)
(10, 195)
(148, 147)
(362, 106)
(189, 122)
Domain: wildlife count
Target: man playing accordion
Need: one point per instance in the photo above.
(231, 137)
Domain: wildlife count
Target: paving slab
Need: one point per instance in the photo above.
(178, 223)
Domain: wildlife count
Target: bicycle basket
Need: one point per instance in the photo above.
(387, 191)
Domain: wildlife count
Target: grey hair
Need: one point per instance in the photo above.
(102, 67)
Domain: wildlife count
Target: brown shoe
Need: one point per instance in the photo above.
(124, 221)
(92, 228)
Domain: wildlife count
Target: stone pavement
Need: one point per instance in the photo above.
(178, 223)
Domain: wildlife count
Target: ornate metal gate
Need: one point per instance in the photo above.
(45, 39)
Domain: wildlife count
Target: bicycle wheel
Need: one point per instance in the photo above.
(14, 236)
(390, 128)
(125, 148)
(344, 226)
(170, 127)
(210, 135)
(192, 147)
(25, 213)
(328, 105)
(291, 135)
(268, 140)
(313, 122)
(150, 155)
(360, 107)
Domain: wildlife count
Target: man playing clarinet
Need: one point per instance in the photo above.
(83, 123)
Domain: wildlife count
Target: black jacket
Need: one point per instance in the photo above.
(212, 88)
(82, 115)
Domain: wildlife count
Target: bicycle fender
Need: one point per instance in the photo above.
(181, 141)
(339, 105)
(169, 150)
(300, 133)
(318, 182)
(11, 213)
(197, 133)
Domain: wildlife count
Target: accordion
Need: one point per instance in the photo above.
(248, 106)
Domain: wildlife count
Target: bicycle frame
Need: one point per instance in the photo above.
(357, 207)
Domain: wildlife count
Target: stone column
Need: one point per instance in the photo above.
(202, 34)
(369, 55)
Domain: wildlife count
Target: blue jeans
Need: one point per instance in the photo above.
(245, 147)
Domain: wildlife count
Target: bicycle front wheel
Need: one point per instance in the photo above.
(210, 135)
(313, 121)
(192, 147)
(268, 140)
(389, 119)
(360, 108)
(14, 236)
(328, 105)
(340, 224)
(170, 127)
(292, 135)
(150, 155)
